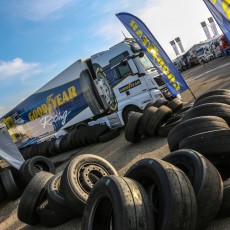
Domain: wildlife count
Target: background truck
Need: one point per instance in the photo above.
(204, 54)
(102, 89)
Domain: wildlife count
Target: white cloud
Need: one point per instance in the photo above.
(18, 68)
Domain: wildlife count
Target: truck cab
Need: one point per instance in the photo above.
(132, 77)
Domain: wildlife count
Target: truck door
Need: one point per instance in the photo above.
(130, 83)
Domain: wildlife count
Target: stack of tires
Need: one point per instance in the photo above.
(181, 191)
(157, 119)
(73, 140)
(205, 128)
(13, 181)
(55, 199)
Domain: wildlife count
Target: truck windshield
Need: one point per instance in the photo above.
(148, 66)
(200, 52)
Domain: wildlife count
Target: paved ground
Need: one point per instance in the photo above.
(122, 154)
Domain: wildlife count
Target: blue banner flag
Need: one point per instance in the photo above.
(155, 53)
(220, 9)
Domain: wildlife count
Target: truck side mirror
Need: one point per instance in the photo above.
(141, 54)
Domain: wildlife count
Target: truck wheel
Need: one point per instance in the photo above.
(171, 196)
(50, 218)
(203, 177)
(109, 196)
(209, 109)
(214, 92)
(132, 131)
(9, 184)
(109, 136)
(33, 195)
(88, 92)
(210, 144)
(213, 99)
(34, 165)
(128, 110)
(55, 198)
(160, 116)
(147, 115)
(72, 184)
(175, 105)
(194, 126)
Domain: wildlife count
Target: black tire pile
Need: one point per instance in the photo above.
(55, 199)
(13, 181)
(205, 128)
(73, 140)
(157, 119)
(184, 190)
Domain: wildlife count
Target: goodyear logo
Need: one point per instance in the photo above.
(129, 86)
(52, 102)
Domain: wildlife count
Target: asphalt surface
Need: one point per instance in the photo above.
(215, 74)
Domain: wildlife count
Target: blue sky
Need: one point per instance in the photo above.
(40, 38)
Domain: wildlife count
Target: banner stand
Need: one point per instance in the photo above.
(8, 150)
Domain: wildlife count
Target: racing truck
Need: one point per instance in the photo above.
(103, 89)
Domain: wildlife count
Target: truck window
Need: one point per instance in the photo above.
(121, 71)
(147, 64)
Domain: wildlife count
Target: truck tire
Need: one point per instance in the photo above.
(3, 194)
(223, 169)
(214, 99)
(171, 196)
(159, 102)
(34, 165)
(57, 144)
(109, 96)
(203, 177)
(50, 218)
(224, 210)
(194, 126)
(109, 136)
(209, 109)
(114, 193)
(147, 115)
(9, 184)
(88, 92)
(128, 110)
(160, 116)
(148, 105)
(72, 185)
(175, 105)
(56, 200)
(132, 132)
(184, 109)
(214, 93)
(166, 127)
(32, 197)
(210, 144)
